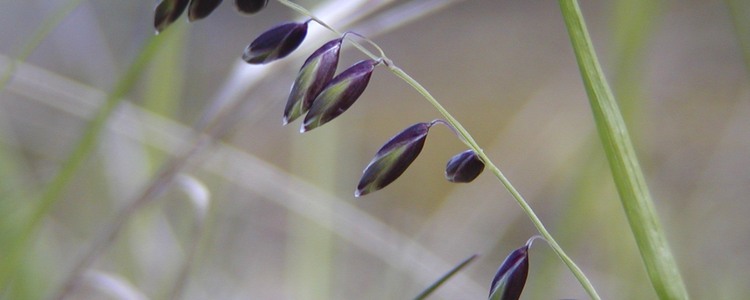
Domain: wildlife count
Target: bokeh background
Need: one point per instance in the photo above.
(281, 221)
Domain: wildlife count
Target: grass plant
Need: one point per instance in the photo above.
(317, 221)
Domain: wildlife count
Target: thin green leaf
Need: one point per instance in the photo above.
(435, 285)
(631, 185)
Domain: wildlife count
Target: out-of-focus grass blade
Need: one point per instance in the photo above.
(88, 141)
(37, 38)
(628, 177)
(435, 285)
(166, 74)
(113, 286)
(14, 207)
(165, 82)
(740, 12)
(200, 198)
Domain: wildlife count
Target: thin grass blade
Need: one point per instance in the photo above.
(435, 285)
(626, 171)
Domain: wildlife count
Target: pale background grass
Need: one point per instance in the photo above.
(504, 68)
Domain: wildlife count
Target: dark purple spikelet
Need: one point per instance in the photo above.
(339, 94)
(464, 167)
(317, 70)
(200, 9)
(167, 12)
(511, 276)
(393, 158)
(275, 43)
(250, 6)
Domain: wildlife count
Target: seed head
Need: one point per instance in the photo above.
(511, 276)
(464, 167)
(393, 158)
(250, 6)
(200, 9)
(339, 94)
(275, 43)
(167, 12)
(317, 70)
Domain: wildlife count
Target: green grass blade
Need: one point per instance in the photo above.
(631, 185)
(166, 75)
(435, 285)
(164, 83)
(83, 149)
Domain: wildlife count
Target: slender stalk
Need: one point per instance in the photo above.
(471, 143)
(296, 7)
(631, 185)
(214, 128)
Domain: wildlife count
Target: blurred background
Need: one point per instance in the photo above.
(269, 213)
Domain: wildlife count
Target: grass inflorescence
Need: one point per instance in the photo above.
(319, 95)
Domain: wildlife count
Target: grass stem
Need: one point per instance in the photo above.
(626, 171)
(471, 143)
